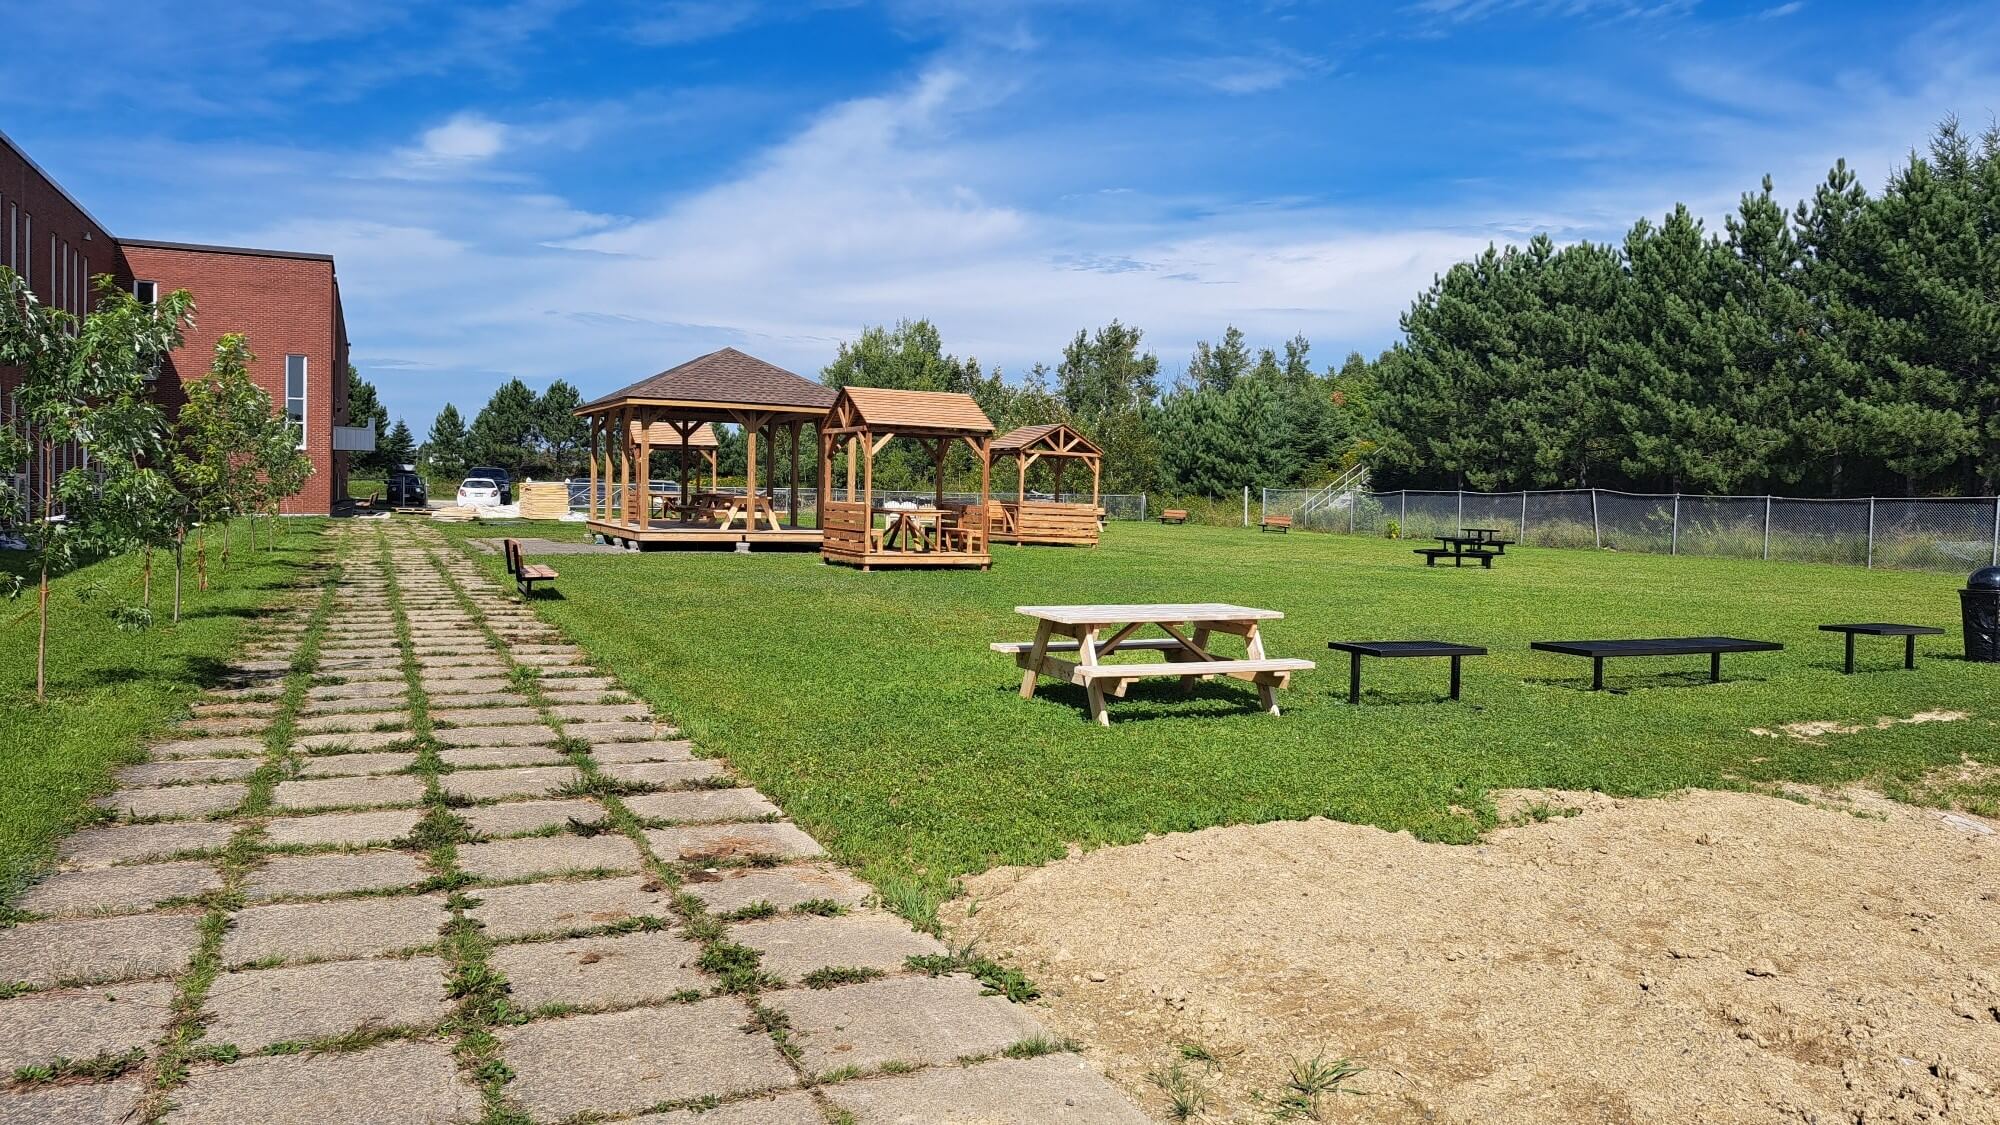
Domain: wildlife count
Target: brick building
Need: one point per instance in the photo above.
(288, 304)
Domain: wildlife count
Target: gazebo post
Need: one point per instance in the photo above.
(853, 464)
(590, 445)
(938, 456)
(984, 447)
(1060, 461)
(771, 469)
(646, 467)
(749, 424)
(625, 456)
(686, 436)
(1097, 482)
(794, 494)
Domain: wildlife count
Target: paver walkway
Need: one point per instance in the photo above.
(418, 862)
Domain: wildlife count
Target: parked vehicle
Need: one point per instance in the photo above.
(406, 490)
(501, 478)
(479, 492)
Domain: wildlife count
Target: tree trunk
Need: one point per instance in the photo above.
(146, 580)
(201, 559)
(180, 554)
(42, 639)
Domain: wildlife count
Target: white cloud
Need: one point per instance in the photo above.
(465, 137)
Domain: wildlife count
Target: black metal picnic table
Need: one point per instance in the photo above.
(1358, 649)
(1600, 651)
(1909, 633)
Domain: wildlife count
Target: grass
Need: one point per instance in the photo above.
(869, 707)
(112, 687)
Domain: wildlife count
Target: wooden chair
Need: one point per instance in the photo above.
(1276, 523)
(525, 574)
(1174, 515)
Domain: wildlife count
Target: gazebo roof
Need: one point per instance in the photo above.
(723, 378)
(662, 435)
(1054, 437)
(933, 412)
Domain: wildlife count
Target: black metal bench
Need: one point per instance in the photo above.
(1433, 554)
(1909, 633)
(1358, 649)
(526, 574)
(1600, 651)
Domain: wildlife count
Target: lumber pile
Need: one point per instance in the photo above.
(548, 500)
(454, 514)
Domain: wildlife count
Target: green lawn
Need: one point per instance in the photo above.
(112, 687)
(869, 706)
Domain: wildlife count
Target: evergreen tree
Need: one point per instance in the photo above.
(503, 435)
(364, 406)
(398, 447)
(1108, 386)
(559, 431)
(444, 448)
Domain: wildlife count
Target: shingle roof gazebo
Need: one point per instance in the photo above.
(1053, 521)
(680, 405)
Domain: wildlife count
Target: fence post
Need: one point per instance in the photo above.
(1246, 505)
(1767, 527)
(1996, 531)
(1353, 502)
(1871, 533)
(1596, 532)
(1142, 507)
(1461, 511)
(1263, 503)
(1403, 511)
(1524, 517)
(1674, 545)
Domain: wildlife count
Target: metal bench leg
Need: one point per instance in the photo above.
(1454, 679)
(1848, 668)
(1597, 673)
(1354, 677)
(1910, 651)
(1714, 667)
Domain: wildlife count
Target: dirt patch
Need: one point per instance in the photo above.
(1712, 957)
(1815, 729)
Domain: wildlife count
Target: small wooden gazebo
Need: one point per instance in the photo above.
(670, 411)
(862, 421)
(1053, 521)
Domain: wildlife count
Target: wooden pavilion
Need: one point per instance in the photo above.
(1053, 521)
(669, 412)
(861, 533)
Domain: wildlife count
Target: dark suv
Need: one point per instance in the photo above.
(406, 490)
(498, 476)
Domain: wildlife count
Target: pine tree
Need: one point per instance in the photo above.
(559, 432)
(503, 435)
(398, 447)
(444, 448)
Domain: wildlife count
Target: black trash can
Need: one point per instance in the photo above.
(1980, 601)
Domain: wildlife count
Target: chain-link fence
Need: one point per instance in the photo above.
(1117, 506)
(1951, 534)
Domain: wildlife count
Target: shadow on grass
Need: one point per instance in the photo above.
(1157, 699)
(1626, 684)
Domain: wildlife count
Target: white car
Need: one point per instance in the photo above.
(478, 492)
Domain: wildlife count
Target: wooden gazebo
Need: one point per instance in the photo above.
(702, 447)
(669, 412)
(861, 533)
(1054, 521)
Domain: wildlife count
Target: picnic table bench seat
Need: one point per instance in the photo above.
(1275, 523)
(1174, 515)
(525, 574)
(1600, 651)
(1433, 554)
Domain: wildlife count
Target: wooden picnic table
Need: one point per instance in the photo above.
(911, 529)
(1186, 647)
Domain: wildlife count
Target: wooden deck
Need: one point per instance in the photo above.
(677, 533)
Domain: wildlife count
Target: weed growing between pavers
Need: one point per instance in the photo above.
(181, 1044)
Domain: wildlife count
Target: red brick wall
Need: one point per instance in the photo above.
(33, 210)
(286, 306)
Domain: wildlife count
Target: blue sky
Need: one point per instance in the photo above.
(596, 191)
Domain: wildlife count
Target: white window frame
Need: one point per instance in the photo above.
(150, 298)
(304, 396)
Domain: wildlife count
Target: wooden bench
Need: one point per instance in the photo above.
(526, 574)
(1433, 554)
(1276, 523)
(1174, 515)
(1600, 651)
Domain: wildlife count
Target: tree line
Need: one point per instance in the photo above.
(152, 478)
(518, 430)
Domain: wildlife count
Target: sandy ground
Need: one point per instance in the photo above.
(1706, 958)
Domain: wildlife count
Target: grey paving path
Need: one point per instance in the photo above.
(418, 861)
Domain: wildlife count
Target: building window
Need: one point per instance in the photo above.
(148, 292)
(295, 394)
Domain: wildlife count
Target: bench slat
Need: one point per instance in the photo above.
(1016, 647)
(1192, 668)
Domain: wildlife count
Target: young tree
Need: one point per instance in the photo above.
(84, 383)
(444, 449)
(214, 453)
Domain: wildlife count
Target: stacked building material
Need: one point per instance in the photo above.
(548, 500)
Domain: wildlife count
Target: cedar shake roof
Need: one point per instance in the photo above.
(662, 435)
(727, 376)
(1058, 435)
(887, 408)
